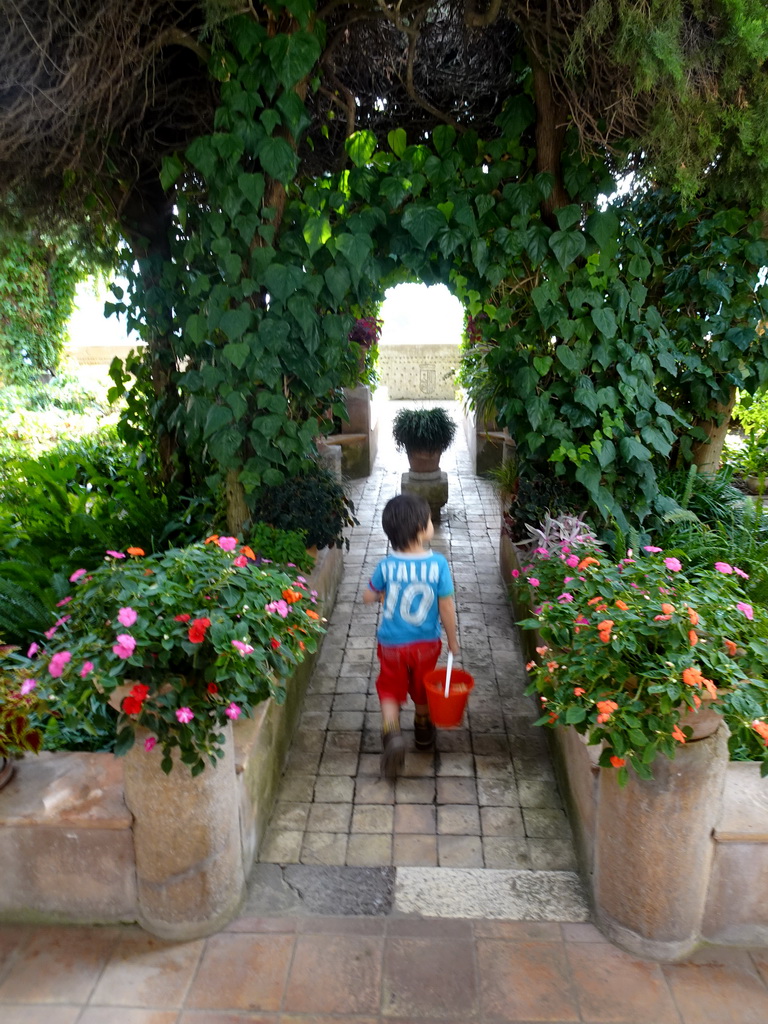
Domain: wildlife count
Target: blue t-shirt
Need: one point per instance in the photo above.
(412, 584)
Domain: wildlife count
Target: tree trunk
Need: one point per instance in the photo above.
(707, 454)
(550, 133)
(237, 507)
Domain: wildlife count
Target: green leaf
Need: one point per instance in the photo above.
(422, 223)
(542, 364)
(219, 417)
(639, 267)
(631, 448)
(575, 714)
(292, 56)
(567, 246)
(603, 226)
(567, 216)
(444, 137)
(361, 146)
(278, 159)
(355, 248)
(202, 155)
(282, 280)
(235, 323)
(196, 328)
(537, 241)
(570, 360)
(237, 352)
(398, 141)
(252, 187)
(339, 283)
(604, 320)
(170, 170)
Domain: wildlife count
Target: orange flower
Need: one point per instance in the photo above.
(311, 614)
(291, 596)
(552, 717)
(149, 572)
(530, 665)
(594, 600)
(761, 728)
(618, 762)
(604, 636)
(542, 650)
(696, 701)
(693, 616)
(212, 539)
(693, 638)
(248, 552)
(622, 605)
(710, 687)
(589, 560)
(668, 609)
(678, 734)
(579, 691)
(552, 665)
(730, 647)
(302, 645)
(692, 676)
(606, 709)
(135, 551)
(606, 624)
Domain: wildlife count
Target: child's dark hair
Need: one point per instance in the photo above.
(403, 518)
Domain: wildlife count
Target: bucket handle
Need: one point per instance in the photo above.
(448, 670)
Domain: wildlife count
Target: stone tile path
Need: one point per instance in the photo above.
(487, 797)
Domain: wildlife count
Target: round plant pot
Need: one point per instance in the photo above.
(423, 461)
(7, 769)
(704, 722)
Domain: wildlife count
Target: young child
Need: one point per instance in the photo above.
(415, 586)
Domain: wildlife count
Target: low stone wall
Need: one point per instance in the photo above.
(419, 371)
(729, 891)
(68, 840)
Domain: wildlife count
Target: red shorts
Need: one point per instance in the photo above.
(402, 670)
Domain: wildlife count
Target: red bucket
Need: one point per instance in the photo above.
(447, 712)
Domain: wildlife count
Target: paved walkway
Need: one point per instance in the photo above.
(482, 814)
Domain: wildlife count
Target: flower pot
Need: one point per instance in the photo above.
(447, 712)
(423, 461)
(7, 769)
(704, 722)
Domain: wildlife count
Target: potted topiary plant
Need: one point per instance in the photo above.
(424, 434)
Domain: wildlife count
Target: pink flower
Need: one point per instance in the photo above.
(742, 606)
(565, 598)
(233, 711)
(724, 568)
(673, 564)
(49, 632)
(58, 661)
(127, 616)
(515, 573)
(240, 561)
(185, 715)
(63, 601)
(572, 561)
(542, 552)
(651, 549)
(227, 543)
(125, 645)
(582, 621)
(27, 686)
(62, 620)
(33, 649)
(149, 743)
(533, 581)
(568, 579)
(86, 669)
(116, 554)
(740, 572)
(277, 606)
(242, 647)
(76, 575)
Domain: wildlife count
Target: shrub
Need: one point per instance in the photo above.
(313, 502)
(428, 430)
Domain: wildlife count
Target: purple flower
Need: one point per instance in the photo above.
(278, 606)
(57, 663)
(233, 711)
(542, 552)
(242, 647)
(185, 715)
(27, 686)
(227, 543)
(572, 561)
(742, 606)
(533, 581)
(76, 575)
(49, 632)
(127, 616)
(515, 573)
(673, 564)
(125, 645)
(565, 598)
(116, 554)
(33, 649)
(724, 568)
(149, 743)
(86, 669)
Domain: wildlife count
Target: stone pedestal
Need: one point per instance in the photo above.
(189, 868)
(433, 487)
(654, 850)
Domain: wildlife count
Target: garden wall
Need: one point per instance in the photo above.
(67, 838)
(419, 371)
(732, 890)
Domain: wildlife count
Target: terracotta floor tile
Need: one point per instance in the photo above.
(716, 993)
(519, 931)
(60, 965)
(335, 974)
(290, 1018)
(343, 925)
(760, 960)
(264, 925)
(241, 971)
(613, 985)
(39, 1014)
(224, 1017)
(416, 819)
(145, 971)
(324, 848)
(428, 977)
(126, 1015)
(525, 981)
(415, 851)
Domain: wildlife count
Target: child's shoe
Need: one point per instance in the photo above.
(423, 732)
(393, 752)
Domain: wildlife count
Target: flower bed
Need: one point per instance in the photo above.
(67, 838)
